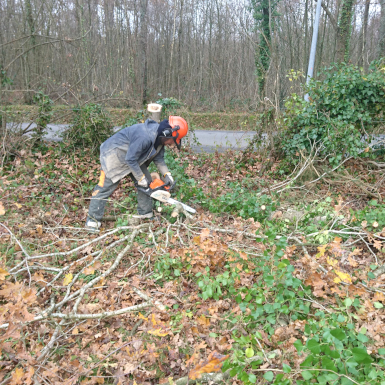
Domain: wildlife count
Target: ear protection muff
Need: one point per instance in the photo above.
(168, 132)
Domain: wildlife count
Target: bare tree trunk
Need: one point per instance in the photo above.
(305, 22)
(30, 56)
(180, 42)
(143, 50)
(381, 40)
(172, 50)
(362, 43)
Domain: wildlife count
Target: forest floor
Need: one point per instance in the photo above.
(270, 282)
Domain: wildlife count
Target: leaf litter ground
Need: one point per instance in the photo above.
(192, 293)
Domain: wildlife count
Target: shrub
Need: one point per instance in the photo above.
(343, 110)
(170, 106)
(240, 201)
(372, 217)
(44, 115)
(90, 127)
(140, 117)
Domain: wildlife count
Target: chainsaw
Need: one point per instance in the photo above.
(162, 192)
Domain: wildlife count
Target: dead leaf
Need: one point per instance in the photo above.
(68, 279)
(213, 364)
(193, 359)
(39, 277)
(243, 256)
(321, 250)
(39, 229)
(87, 250)
(352, 262)
(378, 297)
(141, 316)
(29, 375)
(317, 283)
(130, 368)
(204, 234)
(137, 344)
(12, 332)
(153, 320)
(89, 270)
(3, 274)
(202, 345)
(331, 261)
(2, 210)
(377, 244)
(344, 277)
(158, 332)
(17, 376)
(277, 214)
(204, 321)
(356, 251)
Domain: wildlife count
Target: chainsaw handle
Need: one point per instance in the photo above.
(149, 190)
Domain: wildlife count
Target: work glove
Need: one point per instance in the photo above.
(168, 178)
(143, 182)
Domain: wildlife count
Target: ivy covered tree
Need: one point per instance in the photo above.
(342, 28)
(264, 14)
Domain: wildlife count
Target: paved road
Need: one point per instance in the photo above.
(210, 141)
(200, 140)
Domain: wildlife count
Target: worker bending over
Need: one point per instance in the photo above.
(129, 152)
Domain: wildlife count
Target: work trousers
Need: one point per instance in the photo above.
(106, 187)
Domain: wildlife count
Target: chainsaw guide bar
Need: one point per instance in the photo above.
(161, 192)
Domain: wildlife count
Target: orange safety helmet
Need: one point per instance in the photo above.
(179, 129)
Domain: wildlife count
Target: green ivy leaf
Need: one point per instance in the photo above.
(338, 333)
(348, 302)
(361, 356)
(286, 368)
(298, 345)
(268, 376)
(313, 346)
(306, 375)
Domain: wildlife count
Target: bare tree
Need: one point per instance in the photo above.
(203, 52)
(143, 49)
(364, 32)
(381, 38)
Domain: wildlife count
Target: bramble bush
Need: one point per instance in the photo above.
(91, 126)
(343, 111)
(170, 106)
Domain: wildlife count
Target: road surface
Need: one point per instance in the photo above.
(199, 140)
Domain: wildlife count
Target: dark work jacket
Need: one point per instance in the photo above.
(131, 147)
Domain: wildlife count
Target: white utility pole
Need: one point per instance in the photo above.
(313, 48)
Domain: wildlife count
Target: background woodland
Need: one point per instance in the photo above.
(210, 54)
